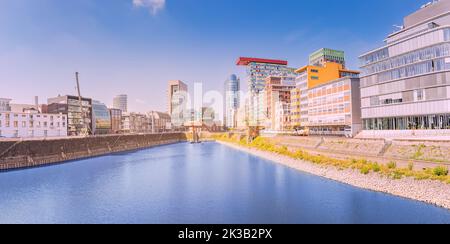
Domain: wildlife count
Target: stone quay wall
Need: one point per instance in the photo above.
(15, 154)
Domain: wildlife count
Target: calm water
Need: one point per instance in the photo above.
(184, 183)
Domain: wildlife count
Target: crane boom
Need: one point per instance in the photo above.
(85, 129)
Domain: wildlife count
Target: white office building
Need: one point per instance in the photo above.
(32, 124)
(405, 85)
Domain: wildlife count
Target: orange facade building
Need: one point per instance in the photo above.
(309, 77)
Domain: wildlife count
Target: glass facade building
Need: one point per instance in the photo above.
(405, 85)
(101, 118)
(232, 101)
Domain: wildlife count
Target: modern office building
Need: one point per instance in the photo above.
(135, 123)
(334, 108)
(30, 123)
(311, 76)
(277, 101)
(101, 119)
(232, 101)
(121, 102)
(326, 55)
(116, 120)
(177, 96)
(258, 70)
(5, 104)
(79, 119)
(405, 85)
(159, 122)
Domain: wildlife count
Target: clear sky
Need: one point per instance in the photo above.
(136, 46)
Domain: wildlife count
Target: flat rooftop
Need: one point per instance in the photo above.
(244, 61)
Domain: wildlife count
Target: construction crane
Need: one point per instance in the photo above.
(85, 130)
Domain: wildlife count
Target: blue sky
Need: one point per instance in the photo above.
(136, 46)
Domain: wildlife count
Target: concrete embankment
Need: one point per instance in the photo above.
(16, 154)
(421, 153)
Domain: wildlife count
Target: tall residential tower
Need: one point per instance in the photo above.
(232, 102)
(258, 70)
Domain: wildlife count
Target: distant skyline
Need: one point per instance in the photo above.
(135, 47)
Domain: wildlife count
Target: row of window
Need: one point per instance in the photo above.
(428, 122)
(327, 100)
(335, 109)
(437, 51)
(31, 124)
(339, 120)
(406, 46)
(416, 43)
(415, 96)
(408, 71)
(31, 116)
(375, 57)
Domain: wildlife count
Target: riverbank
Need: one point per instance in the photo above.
(428, 191)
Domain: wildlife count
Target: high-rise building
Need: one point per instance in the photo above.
(258, 70)
(405, 85)
(101, 119)
(311, 76)
(177, 95)
(121, 102)
(79, 119)
(277, 101)
(232, 101)
(326, 55)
